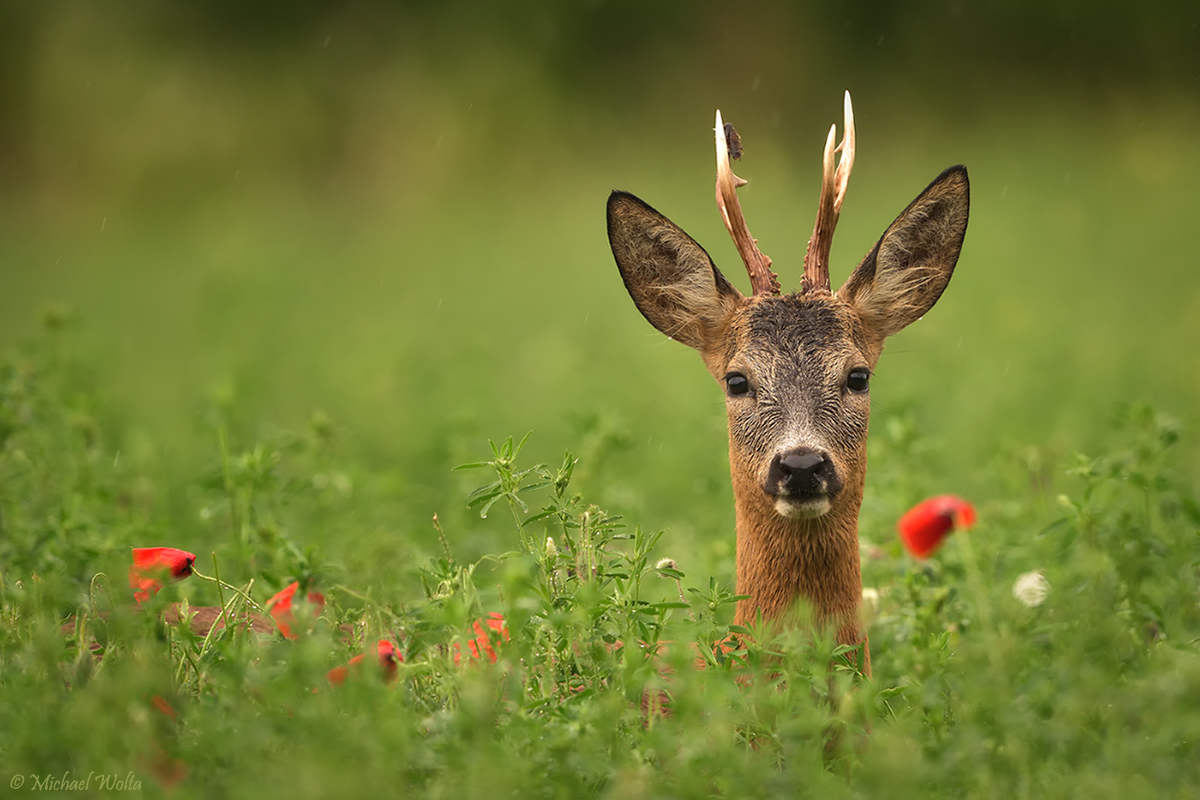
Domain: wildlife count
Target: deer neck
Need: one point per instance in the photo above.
(790, 567)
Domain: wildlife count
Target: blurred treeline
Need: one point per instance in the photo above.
(132, 98)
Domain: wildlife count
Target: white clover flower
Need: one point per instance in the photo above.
(870, 600)
(1031, 588)
(551, 549)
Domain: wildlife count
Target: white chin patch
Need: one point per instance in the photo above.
(802, 509)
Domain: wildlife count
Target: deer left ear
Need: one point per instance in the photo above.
(671, 279)
(911, 264)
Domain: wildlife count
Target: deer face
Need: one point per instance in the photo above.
(796, 382)
(795, 369)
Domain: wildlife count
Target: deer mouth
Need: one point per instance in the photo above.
(808, 506)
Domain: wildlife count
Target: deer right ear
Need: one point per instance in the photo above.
(909, 268)
(671, 279)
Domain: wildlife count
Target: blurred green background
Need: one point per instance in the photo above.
(393, 214)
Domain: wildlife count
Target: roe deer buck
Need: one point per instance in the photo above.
(795, 370)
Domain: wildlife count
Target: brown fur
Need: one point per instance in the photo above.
(797, 352)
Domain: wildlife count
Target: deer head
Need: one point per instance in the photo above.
(795, 368)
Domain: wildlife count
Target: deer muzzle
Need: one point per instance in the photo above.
(802, 482)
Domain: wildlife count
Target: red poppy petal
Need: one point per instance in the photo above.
(283, 598)
(964, 516)
(144, 586)
(179, 562)
(147, 556)
(924, 526)
(282, 604)
(283, 620)
(318, 600)
(924, 534)
(389, 660)
(387, 651)
(496, 622)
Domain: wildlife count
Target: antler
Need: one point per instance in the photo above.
(762, 279)
(833, 192)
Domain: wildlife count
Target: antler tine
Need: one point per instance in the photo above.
(846, 162)
(833, 192)
(762, 279)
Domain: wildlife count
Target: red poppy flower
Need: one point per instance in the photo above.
(280, 607)
(149, 562)
(924, 526)
(389, 660)
(482, 643)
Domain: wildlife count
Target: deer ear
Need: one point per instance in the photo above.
(671, 279)
(911, 264)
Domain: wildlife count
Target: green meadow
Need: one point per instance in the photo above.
(267, 277)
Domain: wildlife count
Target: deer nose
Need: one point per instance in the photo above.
(800, 471)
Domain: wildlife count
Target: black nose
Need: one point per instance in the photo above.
(799, 472)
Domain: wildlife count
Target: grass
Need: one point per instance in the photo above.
(974, 693)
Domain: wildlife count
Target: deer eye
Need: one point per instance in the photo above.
(736, 384)
(858, 380)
